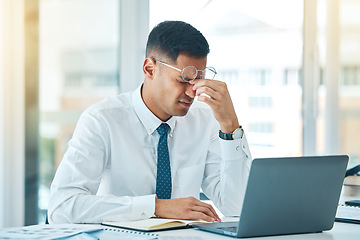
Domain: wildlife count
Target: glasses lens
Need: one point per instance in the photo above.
(189, 73)
(210, 73)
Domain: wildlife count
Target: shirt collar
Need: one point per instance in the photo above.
(147, 118)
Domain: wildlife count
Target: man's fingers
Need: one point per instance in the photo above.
(185, 208)
(208, 91)
(207, 82)
(214, 212)
(202, 216)
(207, 209)
(207, 212)
(203, 204)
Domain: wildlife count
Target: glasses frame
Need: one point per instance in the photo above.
(212, 69)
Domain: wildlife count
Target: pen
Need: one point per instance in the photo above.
(89, 235)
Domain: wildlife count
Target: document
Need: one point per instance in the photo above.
(154, 224)
(73, 232)
(47, 231)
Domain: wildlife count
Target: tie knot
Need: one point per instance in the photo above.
(163, 129)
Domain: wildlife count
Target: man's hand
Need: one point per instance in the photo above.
(216, 95)
(185, 208)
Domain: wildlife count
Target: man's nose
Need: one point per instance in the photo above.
(189, 90)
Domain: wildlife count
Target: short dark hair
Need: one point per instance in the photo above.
(174, 37)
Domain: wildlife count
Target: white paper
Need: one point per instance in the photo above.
(47, 231)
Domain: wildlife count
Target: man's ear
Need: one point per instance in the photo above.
(149, 68)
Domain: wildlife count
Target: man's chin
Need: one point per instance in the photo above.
(182, 111)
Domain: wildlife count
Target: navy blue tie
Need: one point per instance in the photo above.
(163, 178)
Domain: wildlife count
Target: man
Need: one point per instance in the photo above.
(147, 153)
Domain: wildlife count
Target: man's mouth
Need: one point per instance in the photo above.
(185, 103)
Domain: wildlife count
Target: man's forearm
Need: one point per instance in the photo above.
(226, 188)
(83, 208)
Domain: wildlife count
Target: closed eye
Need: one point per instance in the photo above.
(181, 81)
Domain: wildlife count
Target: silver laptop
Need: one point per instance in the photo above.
(287, 196)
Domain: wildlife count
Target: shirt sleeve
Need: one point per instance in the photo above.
(226, 173)
(73, 196)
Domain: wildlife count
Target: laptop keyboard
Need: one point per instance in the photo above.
(228, 229)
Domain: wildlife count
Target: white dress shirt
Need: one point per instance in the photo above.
(108, 172)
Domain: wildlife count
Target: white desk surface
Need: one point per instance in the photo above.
(340, 231)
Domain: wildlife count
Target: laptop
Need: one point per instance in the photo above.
(287, 196)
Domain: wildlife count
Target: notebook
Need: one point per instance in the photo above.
(118, 234)
(348, 214)
(154, 224)
(287, 196)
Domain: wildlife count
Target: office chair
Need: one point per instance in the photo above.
(351, 172)
(46, 219)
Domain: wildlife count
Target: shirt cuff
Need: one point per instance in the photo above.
(143, 206)
(233, 149)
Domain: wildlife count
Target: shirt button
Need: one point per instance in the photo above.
(238, 148)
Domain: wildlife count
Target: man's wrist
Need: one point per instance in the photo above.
(236, 134)
(158, 202)
(230, 126)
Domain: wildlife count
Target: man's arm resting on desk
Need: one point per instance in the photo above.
(94, 209)
(85, 208)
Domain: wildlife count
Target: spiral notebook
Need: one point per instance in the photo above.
(348, 214)
(112, 234)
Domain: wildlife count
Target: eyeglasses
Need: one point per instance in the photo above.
(189, 73)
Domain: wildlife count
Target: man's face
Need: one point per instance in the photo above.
(170, 95)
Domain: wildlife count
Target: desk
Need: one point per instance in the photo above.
(340, 231)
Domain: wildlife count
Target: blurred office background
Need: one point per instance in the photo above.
(292, 67)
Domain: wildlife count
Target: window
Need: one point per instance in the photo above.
(259, 77)
(261, 127)
(342, 113)
(349, 90)
(350, 76)
(79, 42)
(260, 102)
(292, 77)
(256, 52)
(251, 47)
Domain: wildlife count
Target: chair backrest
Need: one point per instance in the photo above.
(46, 219)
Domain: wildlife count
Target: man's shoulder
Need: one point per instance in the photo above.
(118, 102)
